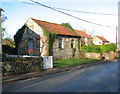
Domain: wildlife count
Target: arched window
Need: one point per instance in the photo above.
(60, 43)
(72, 43)
(30, 44)
(30, 47)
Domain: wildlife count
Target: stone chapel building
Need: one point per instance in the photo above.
(41, 38)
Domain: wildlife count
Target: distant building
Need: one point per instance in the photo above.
(99, 40)
(85, 38)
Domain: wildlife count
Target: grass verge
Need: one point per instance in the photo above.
(71, 62)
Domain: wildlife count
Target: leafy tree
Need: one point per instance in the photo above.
(4, 18)
(8, 41)
(68, 26)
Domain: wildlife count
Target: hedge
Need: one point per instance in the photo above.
(98, 48)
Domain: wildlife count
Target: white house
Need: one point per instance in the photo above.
(100, 40)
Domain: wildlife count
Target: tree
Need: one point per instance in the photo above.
(8, 41)
(68, 26)
(4, 18)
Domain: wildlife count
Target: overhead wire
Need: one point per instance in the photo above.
(85, 12)
(37, 3)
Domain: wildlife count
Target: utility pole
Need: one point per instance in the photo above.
(116, 41)
(0, 51)
(1, 35)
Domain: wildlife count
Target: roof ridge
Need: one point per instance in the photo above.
(55, 28)
(103, 38)
(46, 21)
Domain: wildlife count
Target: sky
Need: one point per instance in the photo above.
(18, 13)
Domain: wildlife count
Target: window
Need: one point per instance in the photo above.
(30, 45)
(60, 43)
(72, 43)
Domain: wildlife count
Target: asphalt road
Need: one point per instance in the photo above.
(99, 78)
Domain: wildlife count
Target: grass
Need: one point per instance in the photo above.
(71, 62)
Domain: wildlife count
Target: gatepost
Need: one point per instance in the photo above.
(48, 62)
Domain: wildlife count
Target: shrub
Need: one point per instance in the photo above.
(98, 48)
(108, 47)
(91, 48)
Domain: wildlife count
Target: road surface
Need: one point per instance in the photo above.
(99, 78)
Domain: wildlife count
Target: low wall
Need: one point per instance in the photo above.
(21, 67)
(105, 55)
(118, 54)
(92, 55)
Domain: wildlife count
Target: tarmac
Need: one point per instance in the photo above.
(51, 71)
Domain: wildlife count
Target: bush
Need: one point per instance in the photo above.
(108, 47)
(99, 48)
(91, 48)
(8, 50)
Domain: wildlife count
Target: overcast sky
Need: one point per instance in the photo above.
(18, 13)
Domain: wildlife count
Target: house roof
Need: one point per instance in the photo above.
(55, 28)
(101, 38)
(82, 34)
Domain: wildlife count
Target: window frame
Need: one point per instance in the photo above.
(59, 43)
(72, 43)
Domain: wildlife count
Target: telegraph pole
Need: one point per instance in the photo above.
(1, 35)
(116, 41)
(0, 51)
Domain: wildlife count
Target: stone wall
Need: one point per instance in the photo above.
(13, 66)
(23, 45)
(34, 33)
(65, 52)
(118, 54)
(92, 55)
(106, 55)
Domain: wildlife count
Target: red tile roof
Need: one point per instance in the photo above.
(102, 38)
(82, 34)
(55, 28)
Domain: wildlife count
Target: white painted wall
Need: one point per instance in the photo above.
(97, 41)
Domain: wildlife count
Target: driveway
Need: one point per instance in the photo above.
(99, 78)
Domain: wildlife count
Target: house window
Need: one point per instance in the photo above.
(72, 43)
(60, 43)
(30, 45)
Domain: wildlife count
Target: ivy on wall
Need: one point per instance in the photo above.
(79, 43)
(50, 39)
